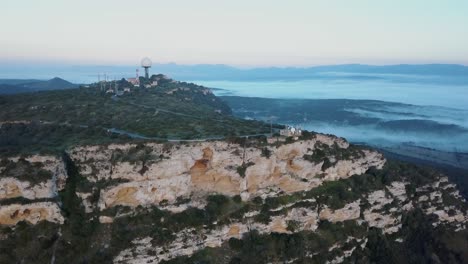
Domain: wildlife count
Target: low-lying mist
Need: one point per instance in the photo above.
(374, 135)
(377, 123)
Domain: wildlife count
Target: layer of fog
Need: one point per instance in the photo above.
(441, 115)
(370, 134)
(373, 122)
(453, 138)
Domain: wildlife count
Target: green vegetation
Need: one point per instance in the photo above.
(307, 135)
(266, 152)
(279, 248)
(243, 168)
(139, 153)
(27, 243)
(422, 243)
(24, 170)
(323, 152)
(64, 118)
(35, 137)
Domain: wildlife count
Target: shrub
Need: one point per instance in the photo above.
(292, 225)
(237, 199)
(257, 200)
(326, 164)
(235, 244)
(306, 135)
(266, 153)
(241, 169)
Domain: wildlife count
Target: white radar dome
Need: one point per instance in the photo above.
(146, 62)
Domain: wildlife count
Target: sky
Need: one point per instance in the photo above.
(242, 33)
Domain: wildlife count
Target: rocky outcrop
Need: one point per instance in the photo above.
(11, 188)
(86, 201)
(106, 219)
(33, 178)
(430, 196)
(14, 183)
(145, 192)
(381, 208)
(286, 188)
(349, 212)
(388, 220)
(168, 172)
(32, 213)
(177, 177)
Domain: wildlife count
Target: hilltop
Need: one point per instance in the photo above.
(54, 120)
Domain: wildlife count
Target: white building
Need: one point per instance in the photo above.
(291, 131)
(134, 81)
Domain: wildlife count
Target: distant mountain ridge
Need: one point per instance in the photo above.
(12, 86)
(89, 73)
(224, 72)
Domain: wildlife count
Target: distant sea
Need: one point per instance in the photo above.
(426, 111)
(450, 92)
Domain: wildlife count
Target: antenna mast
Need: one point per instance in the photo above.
(137, 81)
(99, 81)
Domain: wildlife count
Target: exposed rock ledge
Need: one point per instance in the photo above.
(33, 213)
(212, 167)
(189, 241)
(11, 187)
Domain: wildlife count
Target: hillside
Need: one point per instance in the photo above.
(12, 89)
(13, 86)
(316, 199)
(54, 120)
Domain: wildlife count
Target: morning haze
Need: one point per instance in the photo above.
(247, 131)
(241, 33)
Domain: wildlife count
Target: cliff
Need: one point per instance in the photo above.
(382, 209)
(33, 179)
(312, 199)
(165, 172)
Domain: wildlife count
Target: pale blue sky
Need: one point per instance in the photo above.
(237, 32)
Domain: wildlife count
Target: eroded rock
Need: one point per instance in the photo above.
(32, 213)
(212, 167)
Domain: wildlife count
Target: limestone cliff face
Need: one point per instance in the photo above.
(34, 177)
(16, 184)
(382, 209)
(175, 171)
(32, 213)
(349, 212)
(11, 188)
(292, 187)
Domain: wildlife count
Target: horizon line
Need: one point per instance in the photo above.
(68, 64)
